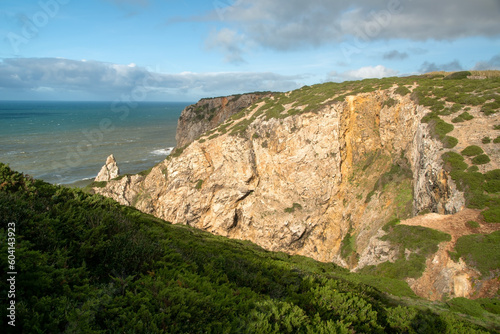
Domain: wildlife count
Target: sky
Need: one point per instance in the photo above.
(180, 50)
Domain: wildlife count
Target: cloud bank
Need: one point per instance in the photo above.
(107, 81)
(295, 24)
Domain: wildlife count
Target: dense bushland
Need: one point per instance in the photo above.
(87, 264)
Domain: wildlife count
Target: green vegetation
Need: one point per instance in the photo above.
(486, 140)
(458, 75)
(295, 206)
(90, 265)
(419, 241)
(466, 306)
(481, 251)
(348, 246)
(145, 172)
(199, 183)
(98, 184)
(402, 90)
(472, 224)
(390, 102)
(481, 159)
(496, 140)
(480, 189)
(465, 116)
(472, 150)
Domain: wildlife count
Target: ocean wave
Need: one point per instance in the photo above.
(163, 151)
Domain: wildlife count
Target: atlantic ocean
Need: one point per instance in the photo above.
(68, 142)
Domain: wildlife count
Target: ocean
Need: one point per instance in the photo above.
(68, 142)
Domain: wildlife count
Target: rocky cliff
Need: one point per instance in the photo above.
(205, 115)
(317, 172)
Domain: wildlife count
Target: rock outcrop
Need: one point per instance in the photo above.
(284, 183)
(205, 115)
(109, 171)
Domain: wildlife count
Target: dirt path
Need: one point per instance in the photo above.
(455, 225)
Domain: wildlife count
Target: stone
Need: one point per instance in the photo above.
(109, 171)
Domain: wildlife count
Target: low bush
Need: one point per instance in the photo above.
(480, 250)
(481, 159)
(472, 150)
(458, 75)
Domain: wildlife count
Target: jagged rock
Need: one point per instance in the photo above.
(109, 171)
(205, 115)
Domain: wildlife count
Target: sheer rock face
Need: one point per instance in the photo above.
(284, 183)
(304, 183)
(109, 171)
(205, 115)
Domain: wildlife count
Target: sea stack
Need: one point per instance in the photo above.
(109, 171)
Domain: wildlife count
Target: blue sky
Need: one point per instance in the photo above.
(184, 50)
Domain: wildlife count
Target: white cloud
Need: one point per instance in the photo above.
(229, 42)
(296, 24)
(366, 72)
(109, 81)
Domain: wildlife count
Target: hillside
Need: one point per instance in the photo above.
(85, 263)
(329, 171)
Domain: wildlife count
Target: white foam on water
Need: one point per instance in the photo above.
(163, 151)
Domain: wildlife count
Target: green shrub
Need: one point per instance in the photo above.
(402, 90)
(466, 306)
(465, 116)
(390, 102)
(449, 142)
(453, 161)
(199, 184)
(472, 150)
(348, 246)
(473, 169)
(492, 215)
(491, 305)
(457, 75)
(472, 224)
(481, 251)
(295, 206)
(496, 140)
(486, 140)
(481, 159)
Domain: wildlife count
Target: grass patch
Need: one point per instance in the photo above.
(496, 140)
(466, 306)
(486, 140)
(481, 251)
(199, 183)
(390, 102)
(295, 206)
(472, 224)
(402, 90)
(348, 246)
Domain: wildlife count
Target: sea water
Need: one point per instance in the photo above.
(67, 142)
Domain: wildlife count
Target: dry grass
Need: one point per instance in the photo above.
(487, 74)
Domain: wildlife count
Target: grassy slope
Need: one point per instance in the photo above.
(87, 264)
